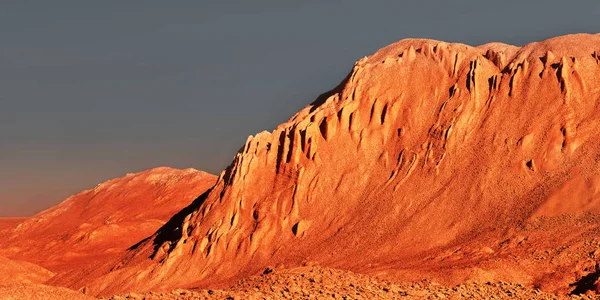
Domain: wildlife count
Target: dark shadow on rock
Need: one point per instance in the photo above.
(586, 283)
(171, 231)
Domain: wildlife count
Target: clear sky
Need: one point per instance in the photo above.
(91, 90)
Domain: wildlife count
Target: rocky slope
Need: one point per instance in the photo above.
(103, 222)
(431, 160)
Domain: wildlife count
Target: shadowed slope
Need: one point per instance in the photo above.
(431, 160)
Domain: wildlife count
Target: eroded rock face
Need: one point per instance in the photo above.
(425, 148)
(103, 222)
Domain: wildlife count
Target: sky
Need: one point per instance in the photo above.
(92, 90)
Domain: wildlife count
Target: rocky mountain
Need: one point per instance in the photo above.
(430, 160)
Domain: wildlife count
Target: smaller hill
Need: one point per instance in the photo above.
(103, 221)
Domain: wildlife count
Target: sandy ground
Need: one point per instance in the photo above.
(324, 283)
(39, 292)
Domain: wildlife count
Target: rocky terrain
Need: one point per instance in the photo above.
(310, 283)
(324, 283)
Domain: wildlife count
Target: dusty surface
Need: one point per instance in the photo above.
(323, 283)
(39, 292)
(100, 223)
(310, 283)
(431, 160)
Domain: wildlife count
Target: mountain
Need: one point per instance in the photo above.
(100, 223)
(430, 160)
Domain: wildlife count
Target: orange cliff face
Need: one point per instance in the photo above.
(430, 160)
(100, 223)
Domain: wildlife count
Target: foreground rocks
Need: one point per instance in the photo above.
(323, 283)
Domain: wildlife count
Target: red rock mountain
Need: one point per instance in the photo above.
(430, 160)
(102, 222)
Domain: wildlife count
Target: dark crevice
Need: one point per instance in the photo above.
(451, 91)
(563, 130)
(530, 165)
(383, 113)
(295, 229)
(303, 142)
(510, 85)
(372, 110)
(471, 75)
(280, 150)
(290, 145)
(323, 128)
(561, 80)
(492, 83)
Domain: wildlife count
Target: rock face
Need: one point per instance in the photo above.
(430, 160)
(102, 222)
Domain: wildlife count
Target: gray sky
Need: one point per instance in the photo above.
(91, 90)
